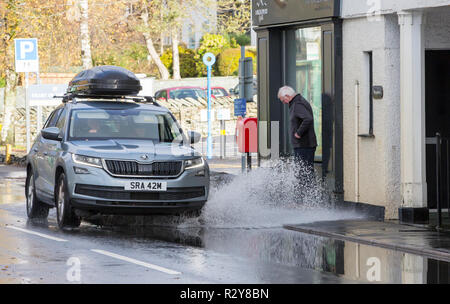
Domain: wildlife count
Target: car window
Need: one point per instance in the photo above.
(62, 120)
(161, 94)
(54, 118)
(182, 94)
(49, 118)
(200, 93)
(218, 92)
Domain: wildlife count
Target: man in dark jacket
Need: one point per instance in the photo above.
(303, 137)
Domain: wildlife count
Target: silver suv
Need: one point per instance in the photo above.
(114, 155)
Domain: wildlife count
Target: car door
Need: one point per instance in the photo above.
(38, 156)
(49, 150)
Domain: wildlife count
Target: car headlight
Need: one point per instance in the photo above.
(194, 163)
(87, 160)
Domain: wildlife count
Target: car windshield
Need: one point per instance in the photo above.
(217, 92)
(97, 124)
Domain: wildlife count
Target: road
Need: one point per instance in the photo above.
(151, 250)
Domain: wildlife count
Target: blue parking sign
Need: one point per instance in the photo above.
(26, 55)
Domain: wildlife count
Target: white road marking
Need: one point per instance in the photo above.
(137, 262)
(36, 233)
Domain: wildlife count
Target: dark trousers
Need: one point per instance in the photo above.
(306, 155)
(304, 158)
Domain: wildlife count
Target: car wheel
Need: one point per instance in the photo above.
(35, 208)
(65, 214)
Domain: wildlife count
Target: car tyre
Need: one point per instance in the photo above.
(65, 214)
(35, 208)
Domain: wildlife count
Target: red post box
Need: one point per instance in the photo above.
(247, 135)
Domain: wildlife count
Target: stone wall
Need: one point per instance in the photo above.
(20, 131)
(186, 111)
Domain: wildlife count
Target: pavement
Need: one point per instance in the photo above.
(424, 241)
(12, 171)
(232, 166)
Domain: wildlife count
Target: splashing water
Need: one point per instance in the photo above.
(284, 193)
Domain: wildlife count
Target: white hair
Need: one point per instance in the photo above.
(286, 91)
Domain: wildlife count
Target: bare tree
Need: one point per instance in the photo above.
(234, 16)
(86, 56)
(10, 17)
(149, 42)
(175, 55)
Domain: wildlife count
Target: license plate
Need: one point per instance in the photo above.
(146, 186)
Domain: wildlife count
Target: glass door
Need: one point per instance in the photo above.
(304, 72)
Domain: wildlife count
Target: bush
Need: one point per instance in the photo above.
(241, 39)
(228, 61)
(2, 83)
(215, 44)
(133, 58)
(187, 61)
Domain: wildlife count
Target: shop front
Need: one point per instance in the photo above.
(300, 44)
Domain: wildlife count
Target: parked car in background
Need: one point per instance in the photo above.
(180, 92)
(235, 90)
(218, 92)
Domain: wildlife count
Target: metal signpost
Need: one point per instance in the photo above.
(27, 60)
(209, 59)
(223, 115)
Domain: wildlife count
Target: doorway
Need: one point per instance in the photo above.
(437, 112)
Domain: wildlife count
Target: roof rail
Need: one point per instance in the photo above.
(73, 97)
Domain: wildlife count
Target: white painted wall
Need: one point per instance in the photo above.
(379, 164)
(379, 157)
(359, 8)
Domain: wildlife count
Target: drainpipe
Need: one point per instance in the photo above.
(356, 141)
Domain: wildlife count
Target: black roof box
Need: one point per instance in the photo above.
(105, 80)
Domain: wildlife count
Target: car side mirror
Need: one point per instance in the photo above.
(52, 133)
(149, 99)
(194, 136)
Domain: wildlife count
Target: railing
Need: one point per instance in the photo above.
(442, 145)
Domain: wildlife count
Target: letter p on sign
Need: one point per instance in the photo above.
(26, 47)
(26, 55)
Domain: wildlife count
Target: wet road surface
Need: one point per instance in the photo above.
(173, 250)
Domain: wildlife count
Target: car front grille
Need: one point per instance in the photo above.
(132, 168)
(118, 193)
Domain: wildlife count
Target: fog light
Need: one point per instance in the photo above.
(79, 170)
(200, 173)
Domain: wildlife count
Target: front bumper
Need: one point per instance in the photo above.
(100, 192)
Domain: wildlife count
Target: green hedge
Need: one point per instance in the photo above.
(187, 61)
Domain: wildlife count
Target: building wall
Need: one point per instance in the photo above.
(437, 28)
(379, 157)
(360, 8)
